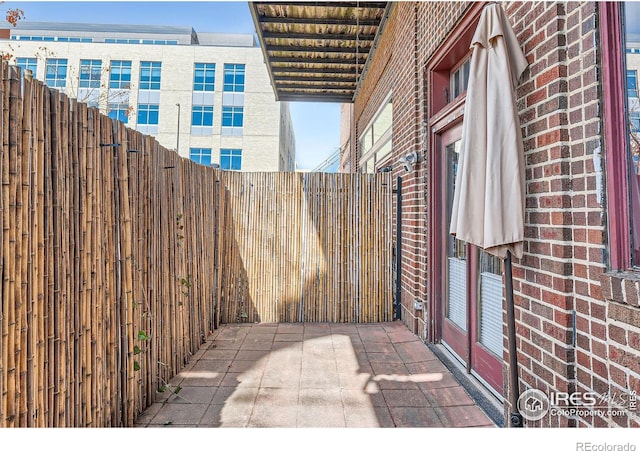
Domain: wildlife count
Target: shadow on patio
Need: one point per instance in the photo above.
(314, 375)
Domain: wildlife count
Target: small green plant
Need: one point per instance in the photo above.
(179, 226)
(186, 284)
(142, 335)
(136, 366)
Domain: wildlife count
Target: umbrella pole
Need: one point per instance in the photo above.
(514, 389)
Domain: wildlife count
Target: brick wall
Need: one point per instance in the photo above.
(561, 280)
(395, 69)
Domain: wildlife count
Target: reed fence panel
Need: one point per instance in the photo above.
(307, 247)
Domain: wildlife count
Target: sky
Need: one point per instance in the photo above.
(316, 125)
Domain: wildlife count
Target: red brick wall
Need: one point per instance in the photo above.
(558, 281)
(394, 69)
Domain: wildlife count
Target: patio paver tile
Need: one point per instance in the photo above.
(432, 366)
(226, 344)
(373, 346)
(219, 354)
(387, 368)
(244, 354)
(404, 417)
(448, 396)
(277, 397)
(383, 357)
(360, 398)
(405, 398)
(192, 395)
(440, 380)
(320, 416)
(325, 378)
(463, 416)
(212, 365)
(310, 397)
(270, 417)
(186, 414)
(221, 415)
(287, 337)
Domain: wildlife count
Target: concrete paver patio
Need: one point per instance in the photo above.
(314, 375)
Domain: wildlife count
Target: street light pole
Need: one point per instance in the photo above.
(178, 131)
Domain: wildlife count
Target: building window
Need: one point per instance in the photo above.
(622, 142)
(56, 74)
(632, 83)
(376, 142)
(200, 155)
(90, 73)
(204, 76)
(459, 79)
(202, 115)
(150, 75)
(234, 78)
(634, 123)
(120, 75)
(231, 159)
(119, 111)
(232, 116)
(148, 114)
(27, 63)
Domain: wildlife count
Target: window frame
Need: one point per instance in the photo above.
(119, 82)
(635, 77)
(122, 114)
(204, 111)
(30, 63)
(148, 109)
(89, 82)
(200, 152)
(616, 137)
(234, 113)
(371, 160)
(207, 67)
(233, 154)
(231, 70)
(57, 81)
(146, 80)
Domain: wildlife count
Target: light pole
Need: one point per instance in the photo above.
(178, 131)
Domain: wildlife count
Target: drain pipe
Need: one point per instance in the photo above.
(514, 389)
(397, 308)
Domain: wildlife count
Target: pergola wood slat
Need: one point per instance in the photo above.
(303, 42)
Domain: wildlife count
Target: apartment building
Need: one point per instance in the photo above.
(206, 95)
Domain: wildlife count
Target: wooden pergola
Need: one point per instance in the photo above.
(317, 51)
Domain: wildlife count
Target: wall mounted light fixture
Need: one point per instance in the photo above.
(409, 161)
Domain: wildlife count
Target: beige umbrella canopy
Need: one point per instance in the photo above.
(488, 202)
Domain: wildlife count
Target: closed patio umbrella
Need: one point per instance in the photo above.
(488, 202)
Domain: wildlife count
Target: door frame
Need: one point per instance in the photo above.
(475, 357)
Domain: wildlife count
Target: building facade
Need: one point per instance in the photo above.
(207, 95)
(577, 287)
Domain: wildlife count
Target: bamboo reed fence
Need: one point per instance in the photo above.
(118, 257)
(307, 247)
(109, 262)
